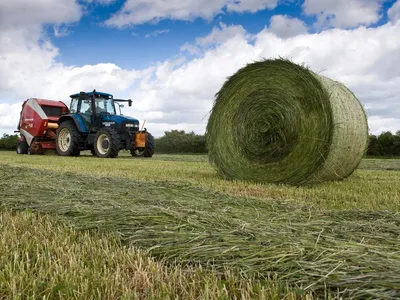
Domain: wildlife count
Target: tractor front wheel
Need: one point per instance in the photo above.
(148, 151)
(107, 143)
(67, 139)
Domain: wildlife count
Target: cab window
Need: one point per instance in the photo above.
(86, 107)
(74, 106)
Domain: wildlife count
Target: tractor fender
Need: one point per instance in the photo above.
(77, 120)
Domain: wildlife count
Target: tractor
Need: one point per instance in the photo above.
(91, 123)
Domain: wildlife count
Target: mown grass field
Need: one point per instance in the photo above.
(72, 228)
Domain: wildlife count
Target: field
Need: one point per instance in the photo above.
(170, 228)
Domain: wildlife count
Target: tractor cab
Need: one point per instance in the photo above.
(94, 106)
(98, 102)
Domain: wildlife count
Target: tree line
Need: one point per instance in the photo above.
(8, 142)
(385, 144)
(178, 141)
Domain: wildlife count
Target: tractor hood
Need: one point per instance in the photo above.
(119, 119)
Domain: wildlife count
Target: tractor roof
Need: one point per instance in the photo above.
(91, 93)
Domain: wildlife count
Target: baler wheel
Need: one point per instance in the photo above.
(106, 143)
(148, 151)
(67, 139)
(22, 147)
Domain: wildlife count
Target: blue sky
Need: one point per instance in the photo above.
(172, 56)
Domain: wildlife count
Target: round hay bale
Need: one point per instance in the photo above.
(275, 121)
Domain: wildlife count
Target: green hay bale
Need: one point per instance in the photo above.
(275, 121)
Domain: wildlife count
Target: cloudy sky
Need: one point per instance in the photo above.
(171, 56)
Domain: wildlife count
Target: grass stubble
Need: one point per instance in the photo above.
(43, 258)
(327, 253)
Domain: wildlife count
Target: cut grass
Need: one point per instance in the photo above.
(276, 121)
(43, 258)
(380, 164)
(348, 253)
(368, 189)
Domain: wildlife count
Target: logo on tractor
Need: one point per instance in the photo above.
(108, 124)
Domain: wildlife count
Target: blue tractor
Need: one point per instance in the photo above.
(94, 124)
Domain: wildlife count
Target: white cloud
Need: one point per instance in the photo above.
(285, 26)
(190, 49)
(379, 124)
(60, 31)
(251, 5)
(142, 11)
(26, 13)
(394, 12)
(156, 33)
(9, 116)
(222, 34)
(344, 13)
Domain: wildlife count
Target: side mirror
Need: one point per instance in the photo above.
(130, 102)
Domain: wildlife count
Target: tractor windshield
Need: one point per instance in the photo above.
(105, 105)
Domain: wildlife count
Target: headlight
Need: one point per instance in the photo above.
(132, 125)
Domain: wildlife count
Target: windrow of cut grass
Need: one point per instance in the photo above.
(381, 164)
(44, 258)
(348, 253)
(372, 188)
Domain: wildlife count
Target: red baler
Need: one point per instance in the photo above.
(38, 125)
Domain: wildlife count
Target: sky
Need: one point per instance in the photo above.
(172, 56)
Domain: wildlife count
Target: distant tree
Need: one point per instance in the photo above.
(396, 142)
(386, 144)
(178, 141)
(373, 149)
(8, 142)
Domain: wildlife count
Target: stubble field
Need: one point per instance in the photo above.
(170, 228)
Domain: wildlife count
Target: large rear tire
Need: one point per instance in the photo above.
(22, 147)
(148, 151)
(107, 143)
(67, 139)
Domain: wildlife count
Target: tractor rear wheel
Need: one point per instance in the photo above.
(67, 139)
(22, 147)
(148, 151)
(107, 143)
